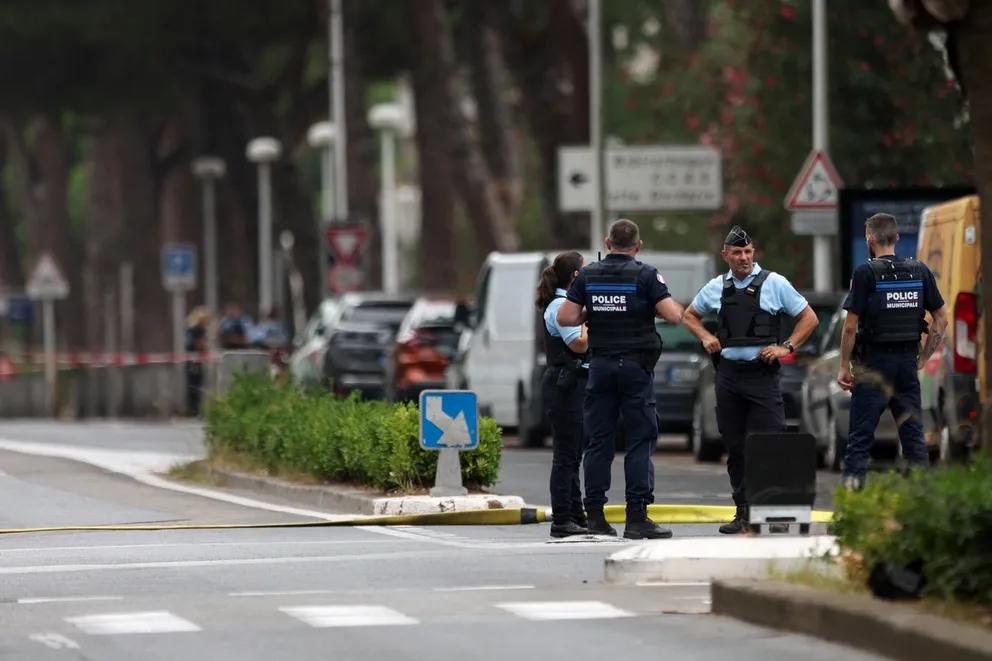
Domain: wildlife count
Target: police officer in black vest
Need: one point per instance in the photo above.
(620, 297)
(885, 321)
(563, 389)
(749, 302)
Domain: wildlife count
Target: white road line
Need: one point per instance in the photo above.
(108, 624)
(101, 547)
(564, 610)
(474, 588)
(230, 562)
(277, 593)
(55, 641)
(59, 600)
(348, 616)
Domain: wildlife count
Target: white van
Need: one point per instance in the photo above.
(498, 355)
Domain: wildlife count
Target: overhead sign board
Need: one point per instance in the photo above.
(179, 267)
(449, 420)
(817, 186)
(643, 178)
(46, 281)
(345, 241)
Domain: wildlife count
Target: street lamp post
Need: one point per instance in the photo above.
(208, 169)
(321, 136)
(389, 119)
(263, 151)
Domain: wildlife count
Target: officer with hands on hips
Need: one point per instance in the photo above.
(620, 298)
(886, 309)
(749, 302)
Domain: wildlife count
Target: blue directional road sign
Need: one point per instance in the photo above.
(19, 309)
(179, 267)
(449, 419)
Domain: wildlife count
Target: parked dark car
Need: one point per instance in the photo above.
(361, 342)
(425, 344)
(706, 443)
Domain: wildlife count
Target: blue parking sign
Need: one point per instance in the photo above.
(179, 266)
(449, 419)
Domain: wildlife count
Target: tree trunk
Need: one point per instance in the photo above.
(493, 228)
(11, 273)
(490, 88)
(434, 167)
(972, 37)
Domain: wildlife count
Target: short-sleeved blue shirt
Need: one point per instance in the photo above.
(777, 296)
(568, 334)
(863, 284)
(649, 281)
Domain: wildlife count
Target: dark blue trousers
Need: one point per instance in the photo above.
(564, 409)
(885, 380)
(619, 385)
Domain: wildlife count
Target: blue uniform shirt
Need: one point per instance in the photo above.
(649, 281)
(863, 285)
(568, 334)
(777, 296)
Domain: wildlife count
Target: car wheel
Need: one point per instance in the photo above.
(836, 444)
(703, 448)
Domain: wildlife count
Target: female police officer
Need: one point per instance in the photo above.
(563, 390)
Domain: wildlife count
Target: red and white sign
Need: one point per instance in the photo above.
(816, 188)
(345, 278)
(345, 241)
(46, 281)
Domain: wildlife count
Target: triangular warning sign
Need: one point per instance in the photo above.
(345, 242)
(47, 281)
(817, 185)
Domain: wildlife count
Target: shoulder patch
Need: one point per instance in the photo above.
(660, 279)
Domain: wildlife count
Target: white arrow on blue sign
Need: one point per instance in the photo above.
(449, 419)
(179, 267)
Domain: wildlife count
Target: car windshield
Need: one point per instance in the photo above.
(379, 313)
(434, 313)
(676, 338)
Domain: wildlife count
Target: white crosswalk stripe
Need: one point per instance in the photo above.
(564, 610)
(347, 616)
(107, 624)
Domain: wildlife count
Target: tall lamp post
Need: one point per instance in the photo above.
(208, 169)
(321, 136)
(389, 119)
(263, 151)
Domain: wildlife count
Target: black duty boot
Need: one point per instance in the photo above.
(598, 524)
(639, 526)
(579, 518)
(738, 525)
(567, 529)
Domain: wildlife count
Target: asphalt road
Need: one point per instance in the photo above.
(343, 593)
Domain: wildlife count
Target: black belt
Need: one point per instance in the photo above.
(892, 347)
(743, 366)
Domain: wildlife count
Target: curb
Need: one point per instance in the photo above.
(884, 627)
(355, 500)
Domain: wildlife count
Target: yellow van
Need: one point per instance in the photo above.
(949, 244)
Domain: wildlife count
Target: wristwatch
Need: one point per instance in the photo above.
(788, 345)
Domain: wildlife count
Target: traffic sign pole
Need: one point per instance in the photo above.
(822, 276)
(48, 324)
(596, 231)
(178, 347)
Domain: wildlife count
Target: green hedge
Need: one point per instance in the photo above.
(940, 517)
(285, 429)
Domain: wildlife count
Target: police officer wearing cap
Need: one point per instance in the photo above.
(886, 309)
(750, 302)
(620, 297)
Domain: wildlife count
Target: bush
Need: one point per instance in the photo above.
(941, 519)
(285, 429)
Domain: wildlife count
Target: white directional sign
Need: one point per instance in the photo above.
(816, 188)
(179, 267)
(643, 178)
(46, 281)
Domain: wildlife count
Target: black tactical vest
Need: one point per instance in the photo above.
(742, 322)
(895, 309)
(556, 351)
(620, 318)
